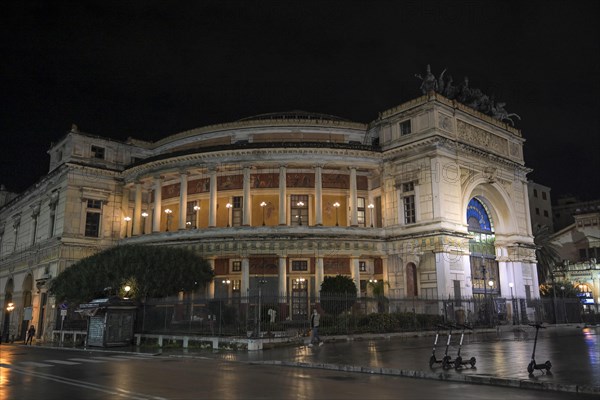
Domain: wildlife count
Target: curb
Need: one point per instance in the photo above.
(475, 379)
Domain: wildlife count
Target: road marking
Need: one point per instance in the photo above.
(109, 359)
(85, 360)
(133, 357)
(35, 364)
(63, 362)
(88, 385)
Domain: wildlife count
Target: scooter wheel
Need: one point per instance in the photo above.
(446, 362)
(472, 361)
(458, 362)
(548, 365)
(530, 368)
(431, 361)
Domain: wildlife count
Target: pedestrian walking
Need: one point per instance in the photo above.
(314, 331)
(30, 335)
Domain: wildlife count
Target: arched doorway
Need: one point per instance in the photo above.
(484, 267)
(412, 288)
(7, 312)
(27, 305)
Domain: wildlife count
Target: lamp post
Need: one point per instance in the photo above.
(196, 209)
(168, 211)
(144, 215)
(127, 289)
(9, 308)
(562, 289)
(300, 204)
(263, 205)
(337, 206)
(512, 300)
(127, 219)
(229, 207)
(371, 206)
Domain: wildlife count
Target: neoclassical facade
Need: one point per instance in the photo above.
(430, 197)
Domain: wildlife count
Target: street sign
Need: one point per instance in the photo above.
(64, 306)
(63, 313)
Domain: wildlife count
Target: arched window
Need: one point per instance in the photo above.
(411, 280)
(484, 267)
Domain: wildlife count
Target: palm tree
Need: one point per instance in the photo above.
(546, 253)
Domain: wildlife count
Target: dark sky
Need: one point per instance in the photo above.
(154, 68)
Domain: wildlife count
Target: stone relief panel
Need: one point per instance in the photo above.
(445, 122)
(230, 182)
(481, 138)
(300, 180)
(336, 181)
(259, 181)
(199, 186)
(170, 191)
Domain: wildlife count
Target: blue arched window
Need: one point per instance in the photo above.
(477, 217)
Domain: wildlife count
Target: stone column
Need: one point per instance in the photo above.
(182, 200)
(137, 210)
(211, 285)
(282, 280)
(353, 198)
(319, 276)
(355, 270)
(245, 279)
(157, 204)
(318, 195)
(282, 195)
(125, 211)
(212, 207)
(247, 213)
(385, 275)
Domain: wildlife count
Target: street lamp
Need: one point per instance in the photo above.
(127, 289)
(168, 211)
(512, 299)
(337, 206)
(229, 206)
(144, 215)
(196, 209)
(10, 307)
(263, 205)
(300, 204)
(127, 219)
(371, 206)
(562, 289)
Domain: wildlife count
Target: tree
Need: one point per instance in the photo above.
(150, 271)
(378, 291)
(546, 253)
(338, 294)
(548, 290)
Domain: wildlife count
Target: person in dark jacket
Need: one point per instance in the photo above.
(314, 325)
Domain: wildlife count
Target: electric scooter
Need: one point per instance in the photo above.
(433, 359)
(447, 360)
(534, 365)
(458, 361)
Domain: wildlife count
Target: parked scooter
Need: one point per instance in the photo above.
(534, 365)
(433, 359)
(458, 361)
(447, 360)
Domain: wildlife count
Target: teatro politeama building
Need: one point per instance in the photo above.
(430, 197)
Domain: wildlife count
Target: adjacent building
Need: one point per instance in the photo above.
(431, 197)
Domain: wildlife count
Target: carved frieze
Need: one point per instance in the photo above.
(481, 138)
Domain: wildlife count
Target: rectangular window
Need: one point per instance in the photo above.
(236, 266)
(237, 212)
(190, 215)
(534, 192)
(545, 213)
(409, 209)
(544, 195)
(360, 207)
(528, 294)
(298, 210)
(92, 219)
(405, 127)
(457, 294)
(582, 254)
(537, 211)
(408, 187)
(299, 265)
(362, 266)
(98, 152)
(52, 220)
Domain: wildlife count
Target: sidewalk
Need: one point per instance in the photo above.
(501, 356)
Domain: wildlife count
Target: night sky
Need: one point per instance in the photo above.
(154, 68)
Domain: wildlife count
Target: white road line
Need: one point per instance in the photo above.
(134, 357)
(85, 360)
(63, 362)
(35, 364)
(109, 359)
(88, 385)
